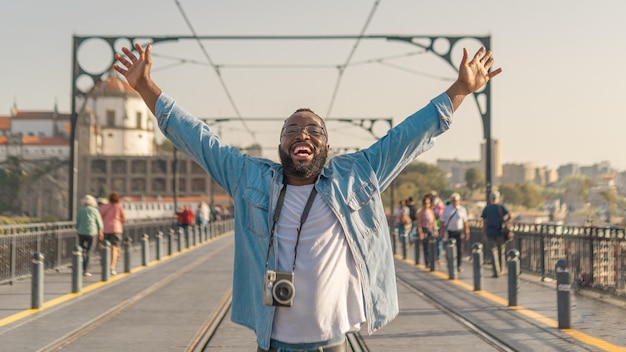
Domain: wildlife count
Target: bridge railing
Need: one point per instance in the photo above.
(56, 242)
(596, 256)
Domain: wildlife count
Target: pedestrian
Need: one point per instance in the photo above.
(401, 220)
(426, 226)
(410, 203)
(88, 225)
(114, 218)
(313, 259)
(203, 214)
(455, 224)
(184, 217)
(438, 208)
(494, 215)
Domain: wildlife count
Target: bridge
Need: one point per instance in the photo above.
(175, 293)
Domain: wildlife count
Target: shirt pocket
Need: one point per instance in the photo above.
(365, 209)
(257, 206)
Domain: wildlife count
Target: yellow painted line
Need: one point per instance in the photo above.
(61, 299)
(579, 335)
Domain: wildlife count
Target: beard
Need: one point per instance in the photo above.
(303, 169)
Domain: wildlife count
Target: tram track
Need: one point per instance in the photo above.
(93, 324)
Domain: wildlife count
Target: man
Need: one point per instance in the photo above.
(321, 227)
(401, 220)
(455, 224)
(494, 215)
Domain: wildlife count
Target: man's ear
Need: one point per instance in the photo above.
(327, 147)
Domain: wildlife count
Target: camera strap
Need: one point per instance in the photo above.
(305, 214)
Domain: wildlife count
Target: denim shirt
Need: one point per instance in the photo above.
(350, 185)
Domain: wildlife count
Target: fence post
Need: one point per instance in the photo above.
(513, 275)
(127, 248)
(77, 269)
(451, 257)
(477, 261)
(37, 281)
(563, 293)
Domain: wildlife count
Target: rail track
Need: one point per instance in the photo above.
(203, 278)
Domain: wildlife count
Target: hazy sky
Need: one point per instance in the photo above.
(557, 101)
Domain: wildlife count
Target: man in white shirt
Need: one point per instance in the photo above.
(454, 223)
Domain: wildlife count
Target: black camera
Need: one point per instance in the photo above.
(278, 288)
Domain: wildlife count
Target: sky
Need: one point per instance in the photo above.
(558, 100)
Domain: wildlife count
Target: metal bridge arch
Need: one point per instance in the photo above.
(428, 44)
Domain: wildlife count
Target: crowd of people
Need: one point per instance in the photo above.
(434, 219)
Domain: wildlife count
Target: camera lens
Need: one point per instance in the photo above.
(283, 292)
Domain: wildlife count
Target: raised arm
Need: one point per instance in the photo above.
(473, 75)
(136, 69)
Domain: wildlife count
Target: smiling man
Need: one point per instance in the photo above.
(313, 259)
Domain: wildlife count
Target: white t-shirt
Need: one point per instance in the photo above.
(456, 221)
(328, 300)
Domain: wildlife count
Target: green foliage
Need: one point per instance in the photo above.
(416, 180)
(474, 179)
(578, 183)
(10, 186)
(511, 194)
(532, 195)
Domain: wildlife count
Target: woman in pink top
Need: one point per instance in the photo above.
(426, 225)
(114, 218)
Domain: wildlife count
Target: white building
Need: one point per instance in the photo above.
(115, 121)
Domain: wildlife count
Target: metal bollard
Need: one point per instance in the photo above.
(170, 241)
(403, 239)
(77, 269)
(127, 247)
(37, 281)
(417, 245)
(432, 252)
(477, 261)
(145, 250)
(159, 237)
(180, 239)
(563, 293)
(451, 257)
(105, 260)
(513, 268)
(187, 240)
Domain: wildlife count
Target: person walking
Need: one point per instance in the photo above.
(88, 226)
(114, 218)
(494, 215)
(313, 259)
(203, 214)
(426, 226)
(455, 224)
(402, 220)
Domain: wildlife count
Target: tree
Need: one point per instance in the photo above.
(531, 195)
(474, 179)
(416, 180)
(511, 194)
(10, 186)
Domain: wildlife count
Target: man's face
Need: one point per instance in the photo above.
(303, 148)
